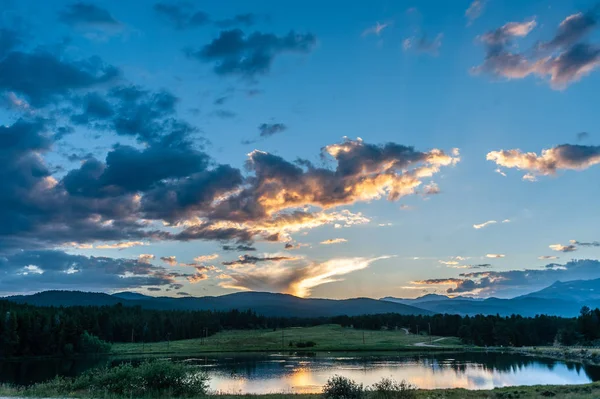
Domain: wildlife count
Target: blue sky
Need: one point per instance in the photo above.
(496, 82)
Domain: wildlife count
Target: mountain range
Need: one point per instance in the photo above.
(560, 299)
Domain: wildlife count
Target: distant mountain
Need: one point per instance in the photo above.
(264, 303)
(581, 291)
(560, 299)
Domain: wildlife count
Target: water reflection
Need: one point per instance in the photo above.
(306, 373)
(470, 371)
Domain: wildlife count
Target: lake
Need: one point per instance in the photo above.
(306, 373)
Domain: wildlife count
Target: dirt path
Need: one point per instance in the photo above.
(430, 345)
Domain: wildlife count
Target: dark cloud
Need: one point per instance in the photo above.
(224, 114)
(181, 293)
(235, 53)
(184, 15)
(129, 170)
(582, 136)
(43, 77)
(570, 31)
(586, 244)
(82, 13)
(252, 260)
(51, 269)
(238, 248)
(509, 283)
(270, 129)
(154, 289)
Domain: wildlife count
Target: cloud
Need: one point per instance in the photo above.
(334, 241)
(196, 278)
(475, 10)
(563, 248)
(184, 15)
(31, 271)
(375, 30)
(495, 256)
(121, 245)
(239, 248)
(484, 224)
(145, 258)
(586, 244)
(169, 260)
(298, 280)
(81, 13)
(235, 53)
(517, 282)
(562, 157)
(252, 260)
(562, 60)
(205, 258)
(547, 257)
(582, 136)
(270, 129)
(431, 189)
(43, 77)
(423, 44)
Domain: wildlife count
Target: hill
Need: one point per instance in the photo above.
(264, 303)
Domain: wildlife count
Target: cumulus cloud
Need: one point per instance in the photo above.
(145, 258)
(562, 157)
(564, 59)
(235, 53)
(270, 129)
(495, 256)
(169, 260)
(547, 257)
(484, 224)
(299, 280)
(475, 10)
(334, 241)
(239, 248)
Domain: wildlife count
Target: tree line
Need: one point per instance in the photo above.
(27, 330)
(482, 330)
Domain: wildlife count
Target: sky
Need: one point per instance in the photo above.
(337, 150)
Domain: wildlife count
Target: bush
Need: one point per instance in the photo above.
(150, 378)
(338, 387)
(89, 343)
(388, 388)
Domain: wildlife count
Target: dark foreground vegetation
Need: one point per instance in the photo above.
(27, 330)
(165, 379)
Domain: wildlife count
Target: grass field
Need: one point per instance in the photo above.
(326, 337)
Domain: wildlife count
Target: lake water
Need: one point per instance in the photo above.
(266, 373)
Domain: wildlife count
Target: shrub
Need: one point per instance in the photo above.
(89, 343)
(388, 388)
(338, 387)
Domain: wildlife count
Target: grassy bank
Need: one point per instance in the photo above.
(588, 391)
(326, 338)
(585, 355)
